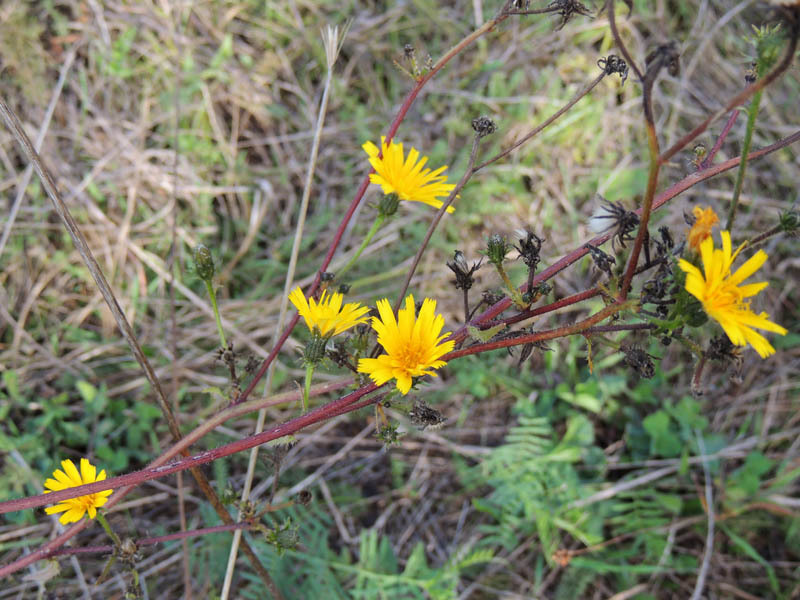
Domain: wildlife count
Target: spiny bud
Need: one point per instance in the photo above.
(483, 126)
(204, 263)
(496, 249)
(790, 221)
(639, 360)
(388, 205)
(315, 348)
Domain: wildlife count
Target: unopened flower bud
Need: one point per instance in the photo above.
(204, 263)
(388, 205)
(496, 249)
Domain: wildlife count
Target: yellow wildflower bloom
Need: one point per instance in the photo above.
(75, 508)
(704, 220)
(724, 299)
(328, 315)
(413, 345)
(406, 176)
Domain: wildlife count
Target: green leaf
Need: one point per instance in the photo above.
(663, 439)
(752, 553)
(484, 335)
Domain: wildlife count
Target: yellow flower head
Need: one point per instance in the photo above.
(704, 220)
(328, 315)
(406, 176)
(76, 507)
(413, 345)
(724, 299)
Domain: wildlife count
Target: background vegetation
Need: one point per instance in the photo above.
(179, 123)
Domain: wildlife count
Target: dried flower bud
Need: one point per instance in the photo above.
(529, 247)
(639, 360)
(496, 249)
(602, 261)
(665, 55)
(425, 417)
(613, 215)
(567, 8)
(614, 64)
(483, 126)
(464, 272)
(204, 263)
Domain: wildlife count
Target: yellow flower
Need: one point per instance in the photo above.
(413, 345)
(406, 177)
(328, 315)
(724, 299)
(704, 220)
(76, 507)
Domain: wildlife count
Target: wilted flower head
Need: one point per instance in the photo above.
(724, 299)
(463, 271)
(704, 220)
(75, 508)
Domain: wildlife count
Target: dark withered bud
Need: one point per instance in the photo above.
(720, 349)
(529, 247)
(491, 298)
(639, 360)
(602, 261)
(204, 263)
(751, 74)
(388, 205)
(614, 64)
(425, 417)
(464, 273)
(304, 498)
(337, 352)
(665, 55)
(527, 350)
(496, 249)
(614, 216)
(128, 551)
(666, 243)
(566, 9)
(483, 126)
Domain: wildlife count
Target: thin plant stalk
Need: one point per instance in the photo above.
(212, 295)
(379, 220)
(752, 114)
